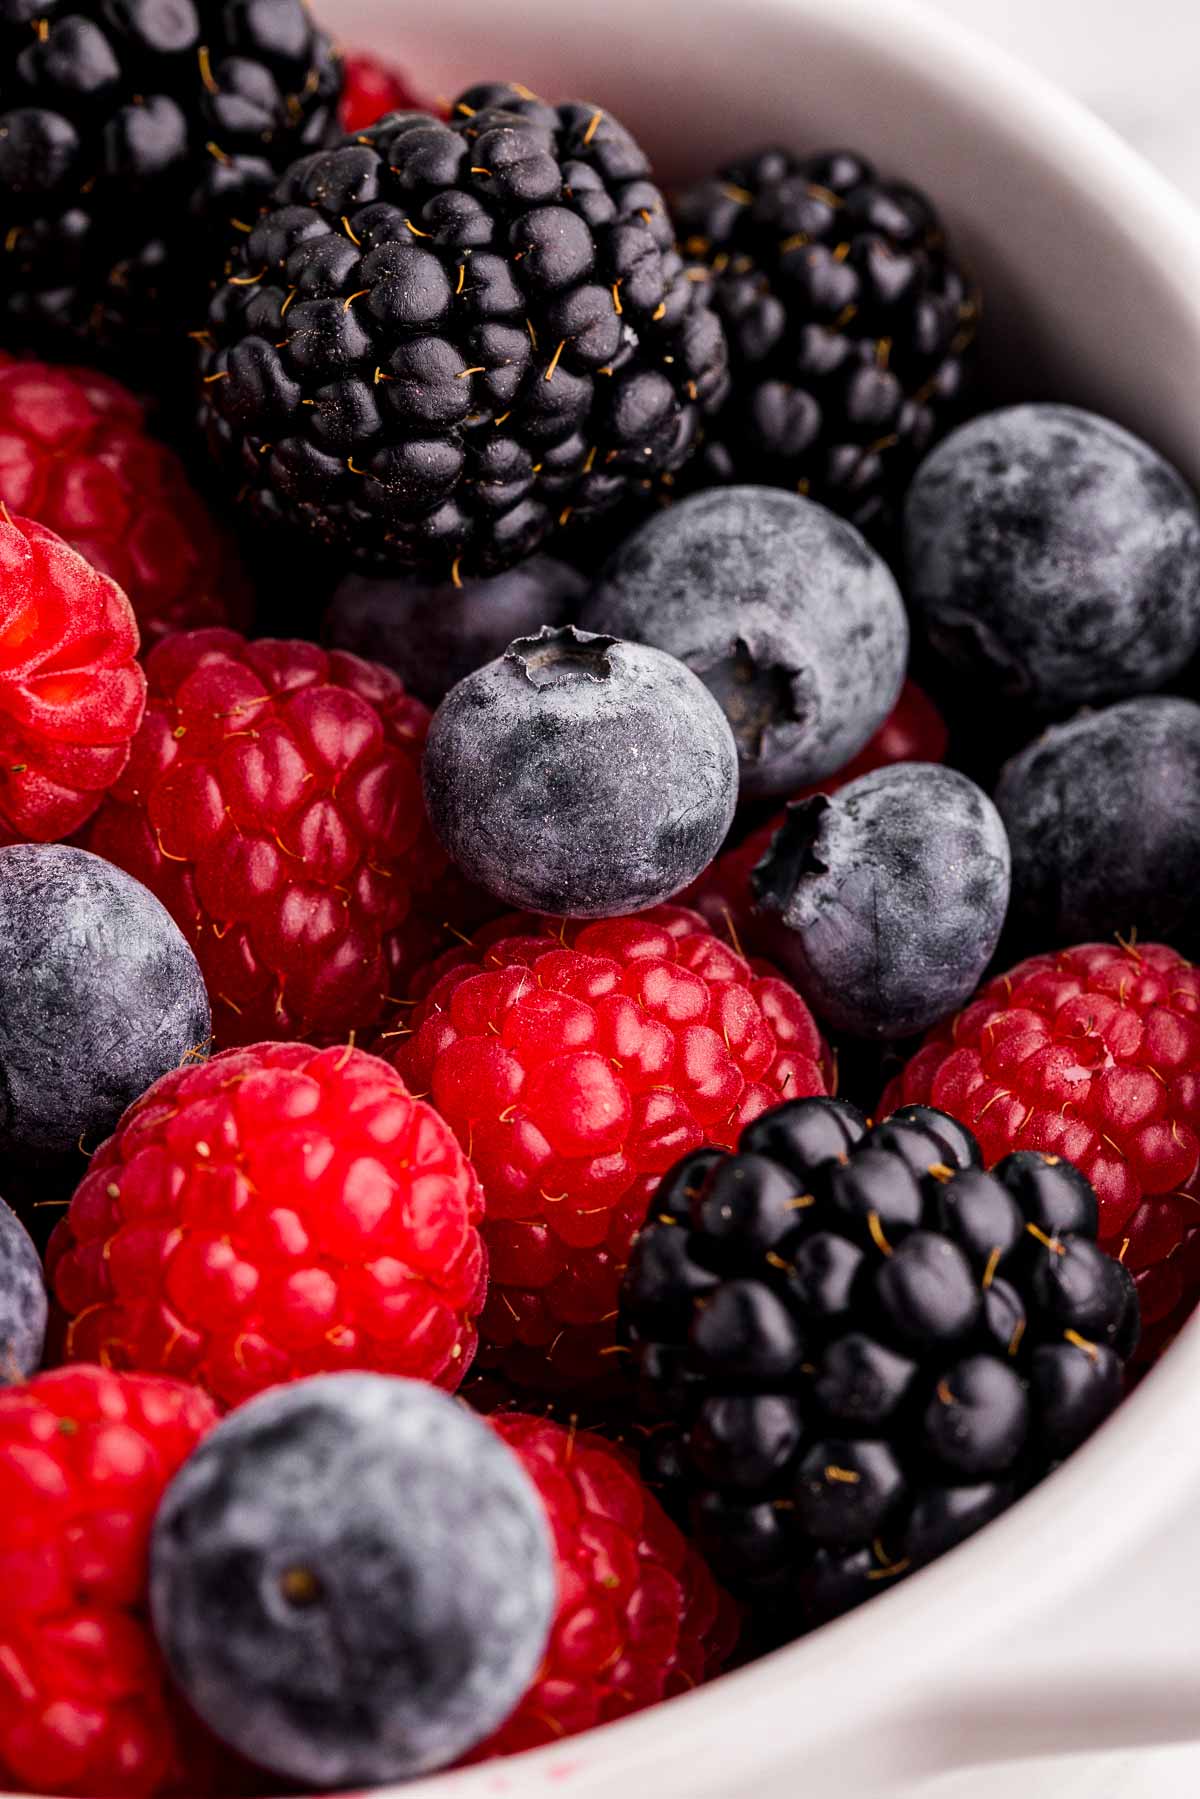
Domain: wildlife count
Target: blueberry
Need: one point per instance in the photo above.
(100, 994)
(784, 612)
(1103, 815)
(888, 898)
(352, 1580)
(580, 776)
(1054, 557)
(434, 634)
(23, 1305)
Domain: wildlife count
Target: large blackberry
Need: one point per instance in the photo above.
(849, 327)
(863, 1346)
(446, 338)
(133, 134)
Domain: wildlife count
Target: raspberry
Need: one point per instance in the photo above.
(71, 692)
(577, 1063)
(273, 803)
(85, 1706)
(1092, 1054)
(639, 1615)
(276, 1212)
(75, 454)
(371, 89)
(914, 731)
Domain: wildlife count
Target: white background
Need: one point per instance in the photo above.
(1137, 62)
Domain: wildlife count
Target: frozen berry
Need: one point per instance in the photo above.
(273, 803)
(913, 731)
(785, 613)
(372, 88)
(71, 692)
(1103, 815)
(1054, 558)
(433, 635)
(577, 1062)
(1092, 1055)
(580, 776)
(22, 1300)
(85, 1704)
(385, 1573)
(76, 456)
(886, 901)
(276, 1212)
(639, 1615)
(99, 995)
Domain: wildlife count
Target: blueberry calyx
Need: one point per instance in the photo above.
(556, 656)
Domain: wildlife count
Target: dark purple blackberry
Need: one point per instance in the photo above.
(855, 1346)
(135, 137)
(849, 328)
(446, 339)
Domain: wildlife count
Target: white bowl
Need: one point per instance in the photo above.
(1074, 1621)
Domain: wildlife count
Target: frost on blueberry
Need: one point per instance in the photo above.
(792, 622)
(1103, 815)
(385, 1572)
(22, 1300)
(888, 897)
(1054, 558)
(99, 996)
(581, 776)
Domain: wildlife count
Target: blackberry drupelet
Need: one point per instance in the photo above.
(132, 134)
(849, 328)
(861, 1347)
(445, 339)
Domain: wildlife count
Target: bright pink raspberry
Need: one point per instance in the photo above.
(276, 1212)
(372, 88)
(577, 1063)
(639, 1615)
(85, 1703)
(75, 454)
(1092, 1053)
(273, 803)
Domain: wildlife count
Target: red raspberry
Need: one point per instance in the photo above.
(71, 692)
(373, 88)
(639, 1615)
(1092, 1054)
(273, 803)
(76, 456)
(578, 1062)
(85, 1705)
(276, 1212)
(913, 732)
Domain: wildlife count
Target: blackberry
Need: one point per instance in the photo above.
(849, 328)
(133, 134)
(445, 339)
(859, 1346)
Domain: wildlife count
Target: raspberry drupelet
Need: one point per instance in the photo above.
(71, 692)
(577, 1063)
(76, 455)
(373, 88)
(276, 1212)
(273, 803)
(1092, 1054)
(85, 1703)
(640, 1617)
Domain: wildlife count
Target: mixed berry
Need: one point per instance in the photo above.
(598, 1058)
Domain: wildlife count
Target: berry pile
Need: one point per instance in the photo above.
(428, 1329)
